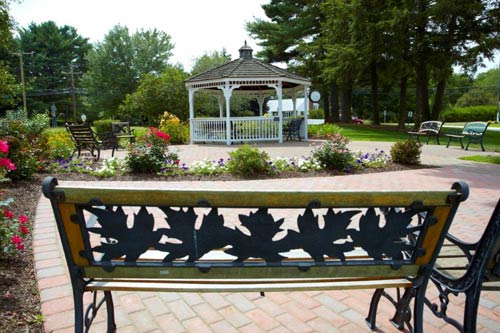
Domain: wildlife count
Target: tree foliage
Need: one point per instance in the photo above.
(49, 51)
(117, 65)
(347, 45)
(157, 94)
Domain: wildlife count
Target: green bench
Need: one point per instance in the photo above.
(198, 240)
(120, 131)
(473, 131)
(431, 128)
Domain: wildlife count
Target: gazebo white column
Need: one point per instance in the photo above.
(191, 114)
(260, 99)
(228, 91)
(279, 93)
(220, 99)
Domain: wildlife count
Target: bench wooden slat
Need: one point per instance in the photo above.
(242, 198)
(245, 287)
(252, 272)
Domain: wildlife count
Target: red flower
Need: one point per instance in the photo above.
(20, 247)
(4, 147)
(23, 219)
(24, 230)
(8, 214)
(16, 239)
(5, 162)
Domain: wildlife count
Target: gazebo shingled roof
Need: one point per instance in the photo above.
(248, 67)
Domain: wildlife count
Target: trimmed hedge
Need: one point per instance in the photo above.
(470, 113)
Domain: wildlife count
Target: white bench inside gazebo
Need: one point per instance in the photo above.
(251, 77)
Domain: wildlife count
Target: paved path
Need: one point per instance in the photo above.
(332, 311)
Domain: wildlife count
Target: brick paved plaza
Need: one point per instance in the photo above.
(332, 311)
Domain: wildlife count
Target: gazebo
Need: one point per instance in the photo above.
(251, 77)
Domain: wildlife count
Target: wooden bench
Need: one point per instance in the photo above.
(473, 131)
(461, 268)
(119, 131)
(84, 138)
(292, 128)
(199, 240)
(428, 129)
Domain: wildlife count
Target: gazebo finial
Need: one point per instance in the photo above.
(246, 51)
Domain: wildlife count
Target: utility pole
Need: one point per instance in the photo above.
(21, 65)
(71, 65)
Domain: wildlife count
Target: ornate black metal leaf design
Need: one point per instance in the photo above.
(320, 242)
(195, 243)
(121, 240)
(259, 244)
(388, 240)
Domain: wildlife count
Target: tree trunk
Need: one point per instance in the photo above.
(422, 112)
(334, 100)
(403, 109)
(374, 86)
(326, 105)
(438, 100)
(346, 101)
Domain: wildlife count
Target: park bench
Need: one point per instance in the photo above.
(84, 137)
(119, 131)
(473, 131)
(291, 129)
(431, 128)
(198, 240)
(461, 268)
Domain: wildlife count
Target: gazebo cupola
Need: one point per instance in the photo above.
(252, 77)
(246, 51)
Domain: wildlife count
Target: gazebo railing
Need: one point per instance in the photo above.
(243, 129)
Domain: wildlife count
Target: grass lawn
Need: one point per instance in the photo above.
(483, 159)
(491, 140)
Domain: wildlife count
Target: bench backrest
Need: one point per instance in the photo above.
(431, 126)
(82, 134)
(186, 233)
(475, 128)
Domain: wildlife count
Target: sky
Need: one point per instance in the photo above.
(196, 26)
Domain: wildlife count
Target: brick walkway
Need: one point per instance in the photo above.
(333, 311)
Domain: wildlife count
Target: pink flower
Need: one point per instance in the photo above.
(23, 219)
(16, 239)
(20, 247)
(24, 230)
(4, 147)
(5, 162)
(8, 214)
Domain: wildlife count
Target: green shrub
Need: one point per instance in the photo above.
(58, 144)
(172, 125)
(406, 152)
(24, 138)
(150, 152)
(103, 129)
(471, 113)
(334, 154)
(246, 161)
(317, 114)
(323, 131)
